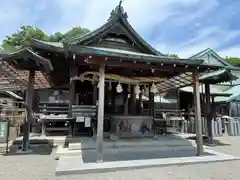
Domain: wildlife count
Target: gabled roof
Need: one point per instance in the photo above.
(118, 17)
(211, 52)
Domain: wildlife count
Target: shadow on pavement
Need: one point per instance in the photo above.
(36, 146)
(206, 141)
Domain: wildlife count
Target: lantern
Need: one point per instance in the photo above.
(119, 88)
(153, 89)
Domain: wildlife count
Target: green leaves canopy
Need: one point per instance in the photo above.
(234, 61)
(15, 41)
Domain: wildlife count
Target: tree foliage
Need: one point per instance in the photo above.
(173, 55)
(16, 40)
(75, 32)
(234, 61)
(25, 33)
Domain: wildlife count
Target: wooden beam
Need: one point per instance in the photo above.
(100, 119)
(198, 119)
(135, 65)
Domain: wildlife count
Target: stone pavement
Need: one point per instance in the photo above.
(42, 166)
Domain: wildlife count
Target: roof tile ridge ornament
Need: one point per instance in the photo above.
(118, 12)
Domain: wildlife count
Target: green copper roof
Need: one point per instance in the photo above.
(52, 46)
(235, 91)
(212, 53)
(213, 90)
(216, 77)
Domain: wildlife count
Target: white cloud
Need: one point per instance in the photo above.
(207, 37)
(231, 52)
(144, 15)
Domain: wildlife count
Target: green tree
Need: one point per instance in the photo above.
(172, 55)
(234, 61)
(74, 33)
(57, 37)
(16, 40)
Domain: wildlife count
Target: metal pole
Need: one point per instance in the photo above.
(198, 119)
(29, 98)
(100, 114)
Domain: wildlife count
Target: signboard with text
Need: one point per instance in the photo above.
(4, 131)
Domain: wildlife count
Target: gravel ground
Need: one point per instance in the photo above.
(42, 167)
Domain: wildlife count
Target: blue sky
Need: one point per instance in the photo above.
(184, 27)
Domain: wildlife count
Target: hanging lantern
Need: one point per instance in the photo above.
(137, 90)
(119, 88)
(153, 89)
(110, 86)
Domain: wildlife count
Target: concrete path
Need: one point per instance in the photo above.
(42, 167)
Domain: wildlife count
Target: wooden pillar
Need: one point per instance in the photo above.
(29, 101)
(133, 101)
(72, 96)
(100, 113)
(150, 101)
(208, 111)
(114, 93)
(94, 94)
(126, 99)
(139, 105)
(198, 119)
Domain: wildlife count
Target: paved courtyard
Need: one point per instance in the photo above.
(42, 167)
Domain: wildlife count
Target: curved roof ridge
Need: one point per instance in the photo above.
(118, 14)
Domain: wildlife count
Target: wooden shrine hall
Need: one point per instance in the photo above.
(95, 83)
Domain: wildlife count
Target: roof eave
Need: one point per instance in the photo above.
(26, 54)
(78, 49)
(34, 43)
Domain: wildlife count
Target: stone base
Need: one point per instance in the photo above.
(68, 165)
(20, 151)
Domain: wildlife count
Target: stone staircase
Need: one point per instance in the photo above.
(162, 144)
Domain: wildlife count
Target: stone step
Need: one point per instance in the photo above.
(61, 151)
(130, 143)
(74, 146)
